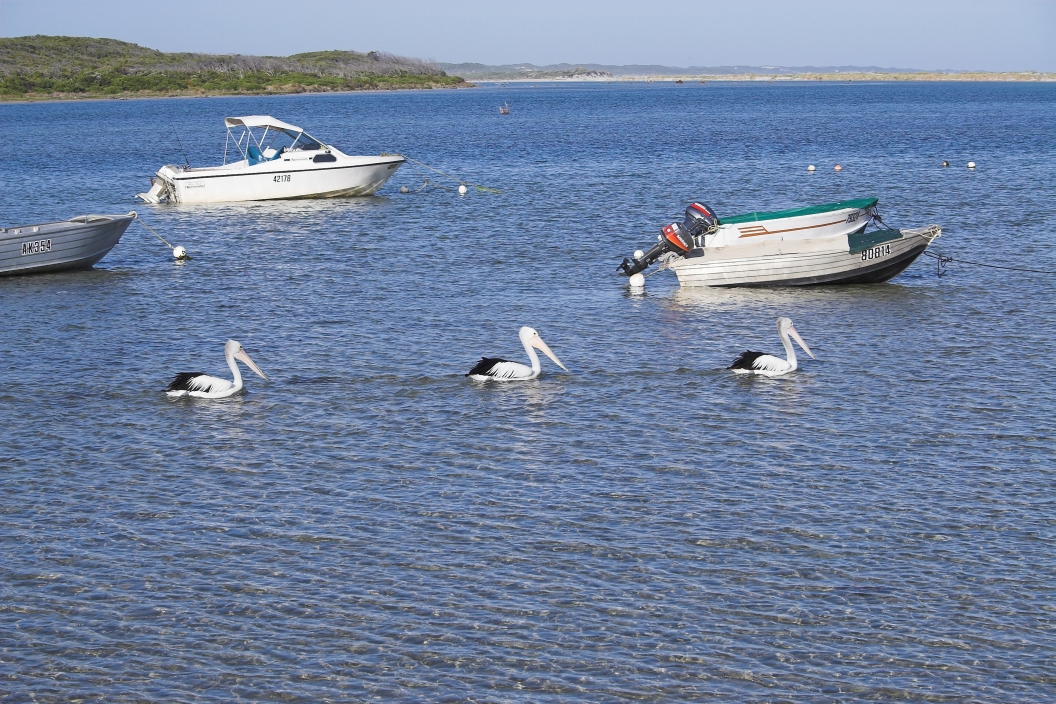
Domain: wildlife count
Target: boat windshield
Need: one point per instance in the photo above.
(292, 141)
(285, 140)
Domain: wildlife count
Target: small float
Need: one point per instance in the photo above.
(836, 243)
(504, 109)
(272, 160)
(77, 243)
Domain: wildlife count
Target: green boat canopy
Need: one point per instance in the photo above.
(861, 203)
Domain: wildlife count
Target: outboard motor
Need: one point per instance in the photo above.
(676, 237)
(699, 220)
(673, 238)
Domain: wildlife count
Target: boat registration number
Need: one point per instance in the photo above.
(876, 252)
(36, 247)
(282, 178)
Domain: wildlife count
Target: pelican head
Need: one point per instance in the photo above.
(233, 350)
(530, 337)
(785, 329)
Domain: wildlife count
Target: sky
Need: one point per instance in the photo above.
(988, 35)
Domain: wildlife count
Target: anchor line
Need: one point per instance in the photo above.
(942, 260)
(426, 182)
(484, 189)
(138, 219)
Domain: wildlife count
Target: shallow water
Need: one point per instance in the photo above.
(371, 524)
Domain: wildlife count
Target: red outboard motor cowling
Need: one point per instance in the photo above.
(676, 237)
(673, 238)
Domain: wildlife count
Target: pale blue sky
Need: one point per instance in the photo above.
(1008, 35)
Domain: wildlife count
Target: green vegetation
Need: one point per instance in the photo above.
(42, 67)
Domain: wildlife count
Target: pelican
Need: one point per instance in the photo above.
(767, 364)
(503, 370)
(202, 385)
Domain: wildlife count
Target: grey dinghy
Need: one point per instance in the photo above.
(823, 244)
(76, 243)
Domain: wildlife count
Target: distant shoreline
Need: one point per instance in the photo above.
(148, 95)
(979, 77)
(67, 69)
(806, 79)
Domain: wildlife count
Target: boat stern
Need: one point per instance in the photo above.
(162, 186)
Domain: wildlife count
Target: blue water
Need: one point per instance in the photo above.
(369, 523)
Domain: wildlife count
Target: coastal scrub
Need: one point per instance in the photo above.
(41, 67)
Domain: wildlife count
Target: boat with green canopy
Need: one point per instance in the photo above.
(835, 243)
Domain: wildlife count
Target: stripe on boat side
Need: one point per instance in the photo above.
(289, 171)
(776, 232)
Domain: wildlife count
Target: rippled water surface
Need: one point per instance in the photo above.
(371, 524)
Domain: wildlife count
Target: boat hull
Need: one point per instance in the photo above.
(845, 259)
(274, 180)
(77, 243)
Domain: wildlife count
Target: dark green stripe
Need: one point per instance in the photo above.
(861, 241)
(861, 203)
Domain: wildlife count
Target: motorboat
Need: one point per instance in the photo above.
(272, 160)
(77, 243)
(835, 243)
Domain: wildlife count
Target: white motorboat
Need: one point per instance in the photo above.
(275, 160)
(822, 244)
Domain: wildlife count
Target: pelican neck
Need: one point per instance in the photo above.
(235, 371)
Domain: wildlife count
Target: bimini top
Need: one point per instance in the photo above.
(260, 121)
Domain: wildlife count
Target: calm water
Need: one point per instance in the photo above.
(371, 524)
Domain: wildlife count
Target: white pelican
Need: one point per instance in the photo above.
(502, 370)
(202, 385)
(767, 364)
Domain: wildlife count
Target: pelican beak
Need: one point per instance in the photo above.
(242, 356)
(537, 342)
(797, 338)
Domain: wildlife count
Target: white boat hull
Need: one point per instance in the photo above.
(273, 180)
(845, 258)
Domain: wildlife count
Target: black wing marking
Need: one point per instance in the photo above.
(485, 365)
(184, 381)
(746, 360)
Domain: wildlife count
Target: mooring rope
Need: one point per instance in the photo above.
(942, 260)
(483, 189)
(135, 216)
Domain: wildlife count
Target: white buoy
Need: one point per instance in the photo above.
(462, 190)
(838, 168)
(404, 189)
(179, 252)
(638, 254)
(636, 281)
(971, 164)
(810, 168)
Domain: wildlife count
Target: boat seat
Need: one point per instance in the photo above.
(253, 155)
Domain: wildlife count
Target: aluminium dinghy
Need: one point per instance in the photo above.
(77, 243)
(836, 243)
